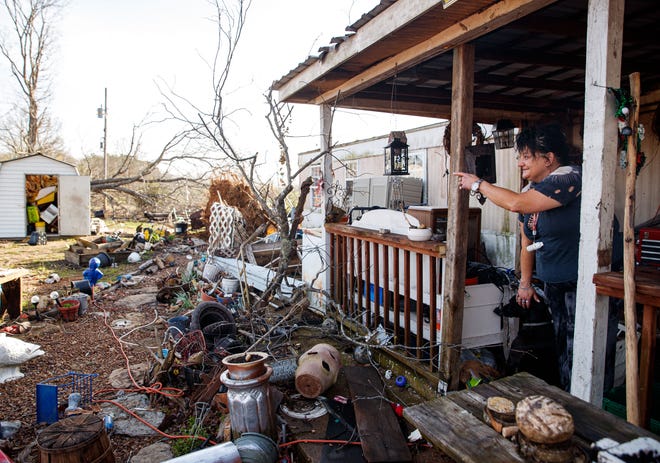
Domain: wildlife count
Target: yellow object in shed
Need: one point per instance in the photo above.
(49, 198)
(40, 227)
(33, 214)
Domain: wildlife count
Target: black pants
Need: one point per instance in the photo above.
(560, 297)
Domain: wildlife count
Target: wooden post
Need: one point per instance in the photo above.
(602, 70)
(632, 366)
(457, 219)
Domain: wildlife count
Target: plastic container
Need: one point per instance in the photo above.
(33, 214)
(180, 228)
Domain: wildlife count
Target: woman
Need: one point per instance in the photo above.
(549, 216)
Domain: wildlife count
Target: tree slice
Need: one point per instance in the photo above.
(543, 420)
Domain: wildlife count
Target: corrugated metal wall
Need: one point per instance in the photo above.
(12, 190)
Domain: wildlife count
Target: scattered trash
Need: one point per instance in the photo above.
(414, 436)
(401, 381)
(133, 258)
(52, 278)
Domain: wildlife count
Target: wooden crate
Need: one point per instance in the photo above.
(82, 258)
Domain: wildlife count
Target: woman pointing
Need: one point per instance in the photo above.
(548, 210)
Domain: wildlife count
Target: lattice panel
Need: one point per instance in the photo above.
(226, 230)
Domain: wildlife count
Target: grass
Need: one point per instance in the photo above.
(43, 260)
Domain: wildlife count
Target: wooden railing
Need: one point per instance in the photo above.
(385, 278)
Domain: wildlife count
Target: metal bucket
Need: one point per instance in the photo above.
(84, 286)
(249, 401)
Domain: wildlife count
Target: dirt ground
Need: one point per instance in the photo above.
(97, 344)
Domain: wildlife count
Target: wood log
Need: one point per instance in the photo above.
(632, 367)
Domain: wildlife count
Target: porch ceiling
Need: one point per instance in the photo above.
(529, 58)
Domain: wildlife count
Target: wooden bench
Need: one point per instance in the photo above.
(455, 424)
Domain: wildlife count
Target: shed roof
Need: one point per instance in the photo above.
(22, 158)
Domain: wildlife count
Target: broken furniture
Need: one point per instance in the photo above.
(11, 291)
(647, 292)
(83, 250)
(454, 422)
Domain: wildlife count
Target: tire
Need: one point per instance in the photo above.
(213, 318)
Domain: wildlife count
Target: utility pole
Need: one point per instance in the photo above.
(103, 112)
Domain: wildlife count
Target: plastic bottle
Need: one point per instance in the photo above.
(109, 423)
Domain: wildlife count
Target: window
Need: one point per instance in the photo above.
(317, 186)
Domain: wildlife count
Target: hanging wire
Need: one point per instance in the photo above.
(393, 120)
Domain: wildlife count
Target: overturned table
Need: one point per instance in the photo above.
(454, 423)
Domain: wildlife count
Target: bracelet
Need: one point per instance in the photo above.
(524, 287)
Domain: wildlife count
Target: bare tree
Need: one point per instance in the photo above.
(275, 194)
(29, 128)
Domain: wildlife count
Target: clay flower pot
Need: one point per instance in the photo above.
(68, 309)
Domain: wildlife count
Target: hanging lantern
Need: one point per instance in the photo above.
(504, 134)
(396, 154)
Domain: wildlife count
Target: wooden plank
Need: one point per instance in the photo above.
(87, 243)
(591, 423)
(379, 430)
(647, 285)
(460, 434)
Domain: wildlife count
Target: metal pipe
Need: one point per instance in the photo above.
(222, 453)
(251, 447)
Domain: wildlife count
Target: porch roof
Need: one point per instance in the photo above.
(529, 58)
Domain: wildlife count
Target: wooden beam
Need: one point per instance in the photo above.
(465, 31)
(457, 221)
(604, 42)
(399, 14)
(483, 115)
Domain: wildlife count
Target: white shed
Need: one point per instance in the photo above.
(39, 191)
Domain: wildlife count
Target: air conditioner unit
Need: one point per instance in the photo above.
(385, 191)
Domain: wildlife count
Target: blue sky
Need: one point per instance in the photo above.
(126, 46)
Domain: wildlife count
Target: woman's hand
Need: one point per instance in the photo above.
(525, 296)
(465, 180)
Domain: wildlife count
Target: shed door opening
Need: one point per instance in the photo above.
(41, 197)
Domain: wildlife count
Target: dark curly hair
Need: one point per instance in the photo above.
(544, 139)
